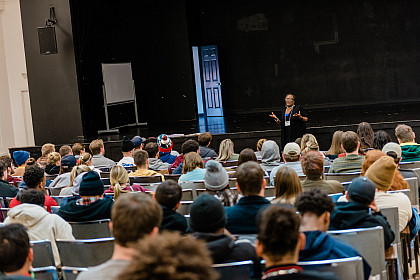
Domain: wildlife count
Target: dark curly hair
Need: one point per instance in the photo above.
(314, 201)
(32, 196)
(33, 176)
(170, 256)
(278, 231)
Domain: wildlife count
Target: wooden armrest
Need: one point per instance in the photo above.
(391, 252)
(406, 230)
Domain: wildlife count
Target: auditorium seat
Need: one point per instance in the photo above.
(229, 163)
(46, 273)
(146, 179)
(131, 168)
(184, 208)
(85, 253)
(174, 177)
(51, 177)
(335, 196)
(232, 182)
(105, 174)
(369, 242)
(341, 177)
(43, 255)
(269, 191)
(234, 270)
(193, 185)
(342, 268)
(70, 273)
(91, 229)
(106, 181)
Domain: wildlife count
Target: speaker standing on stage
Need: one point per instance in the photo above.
(292, 121)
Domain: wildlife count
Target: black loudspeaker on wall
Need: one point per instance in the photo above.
(47, 40)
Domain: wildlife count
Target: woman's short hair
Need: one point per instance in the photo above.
(85, 158)
(192, 160)
(287, 183)
(312, 164)
(226, 150)
(247, 155)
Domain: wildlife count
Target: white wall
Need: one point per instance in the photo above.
(15, 114)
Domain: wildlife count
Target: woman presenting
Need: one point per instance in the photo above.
(292, 121)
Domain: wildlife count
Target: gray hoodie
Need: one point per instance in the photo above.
(158, 164)
(270, 155)
(41, 225)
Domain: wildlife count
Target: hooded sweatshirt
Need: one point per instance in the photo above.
(270, 155)
(61, 181)
(410, 152)
(158, 164)
(351, 215)
(73, 189)
(206, 152)
(41, 225)
(321, 246)
(100, 209)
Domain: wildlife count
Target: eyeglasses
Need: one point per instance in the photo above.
(288, 98)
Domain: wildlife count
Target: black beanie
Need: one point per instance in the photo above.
(127, 145)
(207, 214)
(91, 185)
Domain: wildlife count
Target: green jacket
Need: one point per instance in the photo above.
(410, 152)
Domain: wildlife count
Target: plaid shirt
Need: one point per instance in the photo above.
(87, 201)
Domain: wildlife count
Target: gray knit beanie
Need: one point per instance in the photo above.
(216, 177)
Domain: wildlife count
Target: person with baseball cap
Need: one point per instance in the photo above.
(360, 211)
(127, 147)
(291, 158)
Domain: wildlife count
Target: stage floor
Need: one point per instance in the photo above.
(332, 117)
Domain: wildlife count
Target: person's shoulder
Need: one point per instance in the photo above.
(49, 201)
(108, 270)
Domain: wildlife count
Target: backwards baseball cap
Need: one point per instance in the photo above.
(392, 147)
(68, 161)
(137, 141)
(291, 149)
(165, 143)
(361, 190)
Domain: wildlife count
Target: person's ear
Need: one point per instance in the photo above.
(347, 195)
(358, 145)
(177, 205)
(259, 248)
(155, 231)
(302, 241)
(414, 136)
(342, 147)
(264, 183)
(30, 257)
(282, 156)
(238, 188)
(111, 226)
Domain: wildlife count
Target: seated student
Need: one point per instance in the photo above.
(34, 178)
(138, 143)
(63, 180)
(168, 195)
(169, 256)
(20, 158)
(335, 148)
(53, 164)
(75, 179)
(352, 162)
(45, 151)
(259, 146)
(313, 167)
(406, 138)
(216, 181)
(6, 190)
(245, 155)
(92, 205)
(204, 140)
(65, 151)
(8, 162)
(309, 143)
(207, 221)
(380, 139)
(381, 173)
(41, 225)
(120, 182)
(129, 223)
(361, 210)
(141, 159)
(187, 147)
(270, 156)
(226, 151)
(315, 208)
(192, 168)
(241, 217)
(78, 149)
(127, 148)
(155, 163)
(291, 158)
(287, 185)
(86, 159)
(398, 183)
(98, 151)
(16, 253)
(165, 148)
(279, 243)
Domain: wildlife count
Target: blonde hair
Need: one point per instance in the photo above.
(95, 146)
(404, 133)
(309, 143)
(53, 158)
(287, 183)
(118, 177)
(225, 150)
(335, 148)
(76, 171)
(260, 143)
(85, 158)
(192, 160)
(47, 149)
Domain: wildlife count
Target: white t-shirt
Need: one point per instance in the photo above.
(400, 200)
(126, 162)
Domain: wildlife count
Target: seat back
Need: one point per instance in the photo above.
(234, 271)
(85, 253)
(146, 179)
(55, 191)
(45, 273)
(229, 163)
(187, 195)
(70, 273)
(51, 177)
(106, 181)
(232, 182)
(413, 182)
(345, 185)
(200, 191)
(342, 268)
(369, 242)
(341, 177)
(269, 191)
(391, 214)
(410, 165)
(184, 208)
(43, 255)
(174, 177)
(335, 196)
(91, 229)
(105, 174)
(193, 186)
